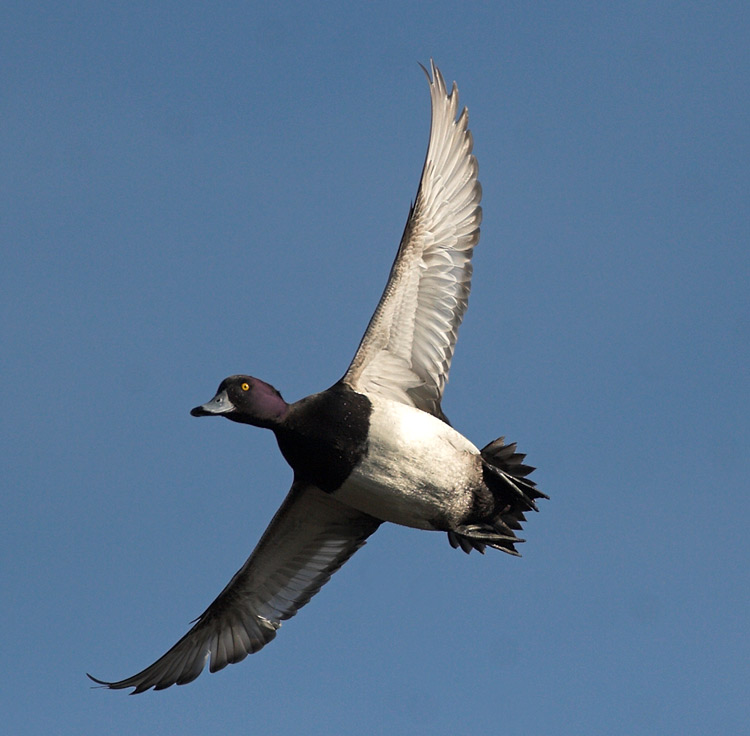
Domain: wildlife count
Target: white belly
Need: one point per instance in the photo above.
(417, 470)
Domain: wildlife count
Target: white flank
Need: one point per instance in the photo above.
(417, 469)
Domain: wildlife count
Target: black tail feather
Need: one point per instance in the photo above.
(505, 474)
(480, 536)
(504, 462)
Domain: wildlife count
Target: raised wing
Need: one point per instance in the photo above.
(309, 538)
(406, 352)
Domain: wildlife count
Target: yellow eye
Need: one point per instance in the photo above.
(245, 386)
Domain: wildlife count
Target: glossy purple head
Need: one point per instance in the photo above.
(246, 399)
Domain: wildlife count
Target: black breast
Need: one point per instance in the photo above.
(325, 435)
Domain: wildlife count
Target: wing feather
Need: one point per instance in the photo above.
(309, 538)
(406, 352)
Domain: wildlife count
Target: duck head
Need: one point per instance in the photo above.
(247, 400)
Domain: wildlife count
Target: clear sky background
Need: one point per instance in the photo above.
(191, 190)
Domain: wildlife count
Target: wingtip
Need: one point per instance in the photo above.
(99, 683)
(105, 685)
(435, 77)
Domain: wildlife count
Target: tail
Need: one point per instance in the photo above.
(506, 476)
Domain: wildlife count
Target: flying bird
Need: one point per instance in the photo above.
(375, 446)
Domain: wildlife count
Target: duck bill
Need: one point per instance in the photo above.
(220, 404)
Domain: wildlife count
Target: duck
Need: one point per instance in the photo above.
(376, 446)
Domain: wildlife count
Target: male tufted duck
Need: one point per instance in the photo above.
(375, 446)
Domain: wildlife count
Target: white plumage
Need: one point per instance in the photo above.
(406, 352)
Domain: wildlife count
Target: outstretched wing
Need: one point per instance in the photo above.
(309, 538)
(406, 352)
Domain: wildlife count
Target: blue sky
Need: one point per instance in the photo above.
(191, 190)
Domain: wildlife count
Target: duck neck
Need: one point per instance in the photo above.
(270, 409)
